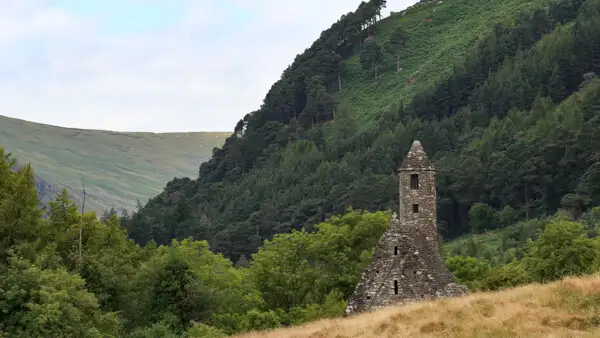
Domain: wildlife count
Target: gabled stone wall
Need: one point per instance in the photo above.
(406, 264)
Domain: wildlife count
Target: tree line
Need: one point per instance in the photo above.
(63, 273)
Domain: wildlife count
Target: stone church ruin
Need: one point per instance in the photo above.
(406, 264)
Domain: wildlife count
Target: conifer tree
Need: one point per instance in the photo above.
(396, 43)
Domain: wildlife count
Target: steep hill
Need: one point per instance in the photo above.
(500, 93)
(441, 34)
(117, 168)
(568, 308)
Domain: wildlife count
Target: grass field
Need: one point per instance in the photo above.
(117, 168)
(568, 308)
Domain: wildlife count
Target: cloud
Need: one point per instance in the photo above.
(135, 65)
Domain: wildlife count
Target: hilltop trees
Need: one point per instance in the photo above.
(286, 101)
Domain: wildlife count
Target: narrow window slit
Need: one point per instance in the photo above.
(414, 181)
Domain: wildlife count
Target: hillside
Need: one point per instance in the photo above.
(281, 221)
(500, 93)
(441, 34)
(117, 168)
(567, 308)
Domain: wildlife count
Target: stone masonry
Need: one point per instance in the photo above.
(406, 265)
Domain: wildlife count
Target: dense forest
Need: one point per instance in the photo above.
(511, 129)
(280, 223)
(64, 274)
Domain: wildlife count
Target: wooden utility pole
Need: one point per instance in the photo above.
(81, 225)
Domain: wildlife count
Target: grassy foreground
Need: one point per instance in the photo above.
(568, 308)
(116, 167)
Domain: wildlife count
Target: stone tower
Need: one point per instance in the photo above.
(406, 264)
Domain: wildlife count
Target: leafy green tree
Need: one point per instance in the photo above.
(482, 217)
(591, 221)
(589, 185)
(562, 249)
(38, 302)
(556, 85)
(186, 282)
(19, 205)
(470, 271)
(60, 229)
(154, 331)
(507, 216)
(371, 57)
(319, 103)
(199, 330)
(110, 261)
(510, 275)
(107, 214)
(282, 272)
(308, 276)
(396, 43)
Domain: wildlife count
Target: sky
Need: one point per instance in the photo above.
(152, 65)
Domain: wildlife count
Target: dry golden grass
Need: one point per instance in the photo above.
(568, 308)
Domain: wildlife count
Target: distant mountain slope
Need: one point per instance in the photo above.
(117, 168)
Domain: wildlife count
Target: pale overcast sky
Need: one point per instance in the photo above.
(152, 65)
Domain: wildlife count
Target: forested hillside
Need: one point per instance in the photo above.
(72, 275)
(501, 94)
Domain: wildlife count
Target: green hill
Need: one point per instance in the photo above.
(500, 93)
(441, 34)
(504, 97)
(117, 168)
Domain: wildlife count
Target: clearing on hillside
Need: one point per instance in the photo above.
(440, 35)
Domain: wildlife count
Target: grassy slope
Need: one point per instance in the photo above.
(117, 168)
(568, 308)
(440, 35)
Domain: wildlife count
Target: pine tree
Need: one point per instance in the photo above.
(396, 42)
(556, 89)
(19, 205)
(371, 57)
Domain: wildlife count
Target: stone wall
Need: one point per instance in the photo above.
(406, 264)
